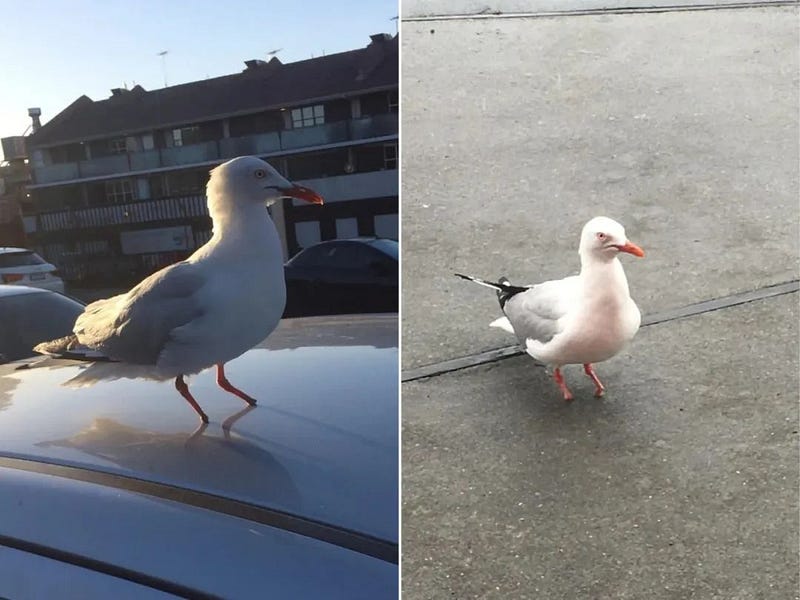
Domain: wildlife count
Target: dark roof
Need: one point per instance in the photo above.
(260, 86)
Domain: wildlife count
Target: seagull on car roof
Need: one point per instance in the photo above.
(583, 319)
(201, 312)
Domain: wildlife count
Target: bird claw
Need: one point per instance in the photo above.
(599, 393)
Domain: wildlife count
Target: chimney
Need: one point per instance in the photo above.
(34, 114)
(373, 55)
(254, 64)
(379, 38)
(262, 67)
(117, 92)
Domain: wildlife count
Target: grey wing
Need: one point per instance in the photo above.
(134, 327)
(536, 314)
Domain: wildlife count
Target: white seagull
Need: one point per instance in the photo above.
(583, 319)
(204, 311)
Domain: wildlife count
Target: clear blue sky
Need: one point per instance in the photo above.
(52, 51)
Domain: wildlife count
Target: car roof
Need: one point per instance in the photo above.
(14, 290)
(322, 444)
(6, 249)
(361, 239)
(182, 548)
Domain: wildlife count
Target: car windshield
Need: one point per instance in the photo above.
(389, 247)
(28, 319)
(20, 259)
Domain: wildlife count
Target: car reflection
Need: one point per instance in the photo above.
(230, 462)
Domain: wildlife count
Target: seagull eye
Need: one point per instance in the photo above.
(260, 173)
(601, 236)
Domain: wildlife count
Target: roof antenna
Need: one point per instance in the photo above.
(163, 55)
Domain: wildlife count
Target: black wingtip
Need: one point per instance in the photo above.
(467, 277)
(508, 291)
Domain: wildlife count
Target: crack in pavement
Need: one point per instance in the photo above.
(665, 316)
(622, 10)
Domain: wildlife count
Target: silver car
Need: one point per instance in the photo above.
(19, 266)
(29, 316)
(113, 490)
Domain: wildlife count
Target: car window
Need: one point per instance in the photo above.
(365, 257)
(20, 259)
(389, 247)
(346, 256)
(28, 319)
(342, 255)
(314, 256)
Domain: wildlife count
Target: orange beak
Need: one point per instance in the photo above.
(631, 248)
(302, 193)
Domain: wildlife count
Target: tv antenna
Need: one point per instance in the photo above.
(163, 55)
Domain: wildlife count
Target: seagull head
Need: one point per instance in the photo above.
(250, 180)
(603, 238)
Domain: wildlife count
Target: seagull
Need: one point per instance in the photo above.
(206, 310)
(583, 319)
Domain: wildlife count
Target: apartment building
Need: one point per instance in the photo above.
(119, 184)
(14, 178)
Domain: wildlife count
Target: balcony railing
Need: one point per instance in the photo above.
(142, 211)
(191, 154)
(260, 144)
(264, 143)
(357, 186)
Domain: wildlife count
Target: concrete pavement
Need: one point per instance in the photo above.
(683, 126)
(683, 483)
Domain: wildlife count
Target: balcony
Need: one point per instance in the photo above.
(206, 152)
(144, 161)
(320, 135)
(264, 143)
(358, 186)
(14, 173)
(58, 172)
(104, 165)
(188, 155)
(375, 126)
(142, 211)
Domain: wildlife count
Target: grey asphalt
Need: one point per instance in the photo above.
(683, 482)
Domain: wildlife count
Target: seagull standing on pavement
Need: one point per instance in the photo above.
(583, 319)
(204, 311)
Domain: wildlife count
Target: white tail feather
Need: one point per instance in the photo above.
(502, 323)
(479, 281)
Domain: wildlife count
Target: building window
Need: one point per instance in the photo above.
(390, 156)
(393, 101)
(308, 116)
(120, 191)
(185, 136)
(117, 146)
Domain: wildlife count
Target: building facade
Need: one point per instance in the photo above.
(14, 178)
(119, 184)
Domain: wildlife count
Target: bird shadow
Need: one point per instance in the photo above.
(225, 462)
(529, 392)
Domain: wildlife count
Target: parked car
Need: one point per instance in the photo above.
(359, 275)
(19, 266)
(113, 491)
(29, 316)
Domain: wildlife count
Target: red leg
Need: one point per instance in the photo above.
(226, 385)
(599, 389)
(181, 386)
(562, 386)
